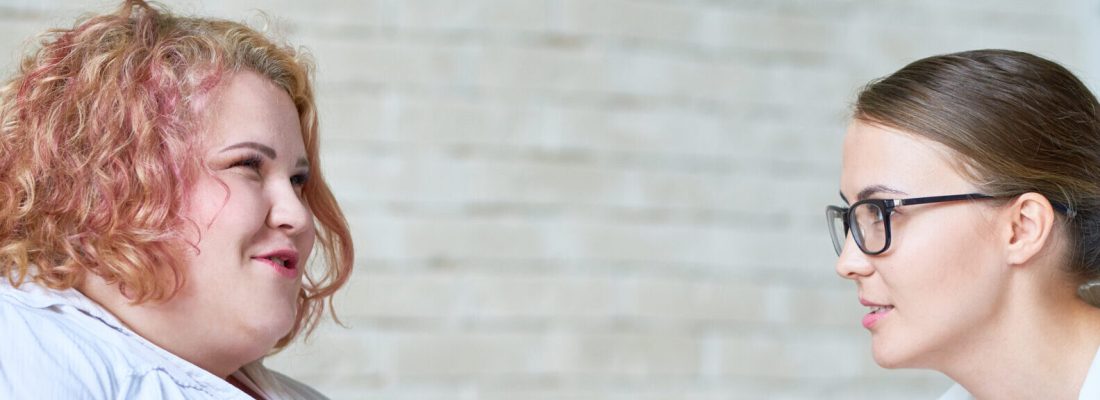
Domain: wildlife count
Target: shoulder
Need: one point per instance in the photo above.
(46, 348)
(61, 345)
(162, 384)
(41, 329)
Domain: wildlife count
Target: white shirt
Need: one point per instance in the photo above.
(62, 345)
(1090, 390)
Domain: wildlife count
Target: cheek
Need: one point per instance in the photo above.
(223, 209)
(951, 276)
(204, 202)
(306, 241)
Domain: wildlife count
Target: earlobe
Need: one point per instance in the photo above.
(1031, 219)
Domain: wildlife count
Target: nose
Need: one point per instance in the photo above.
(288, 211)
(852, 263)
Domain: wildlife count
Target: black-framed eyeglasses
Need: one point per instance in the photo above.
(869, 220)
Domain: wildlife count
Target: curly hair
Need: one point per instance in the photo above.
(99, 140)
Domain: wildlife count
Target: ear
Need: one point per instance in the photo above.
(1031, 219)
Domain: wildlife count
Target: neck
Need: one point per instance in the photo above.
(160, 324)
(1040, 345)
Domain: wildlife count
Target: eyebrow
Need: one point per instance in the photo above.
(872, 190)
(265, 150)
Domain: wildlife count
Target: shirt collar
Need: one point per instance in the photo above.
(36, 296)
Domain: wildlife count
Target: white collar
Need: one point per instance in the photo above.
(71, 300)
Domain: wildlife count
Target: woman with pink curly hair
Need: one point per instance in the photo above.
(160, 197)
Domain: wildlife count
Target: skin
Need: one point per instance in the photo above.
(234, 307)
(977, 286)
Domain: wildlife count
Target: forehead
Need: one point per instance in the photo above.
(917, 166)
(250, 107)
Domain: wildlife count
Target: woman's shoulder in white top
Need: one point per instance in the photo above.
(60, 344)
(1090, 390)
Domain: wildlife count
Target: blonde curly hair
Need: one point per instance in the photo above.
(98, 137)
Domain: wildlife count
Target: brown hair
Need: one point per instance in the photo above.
(1020, 123)
(98, 138)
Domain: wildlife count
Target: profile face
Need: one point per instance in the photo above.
(931, 292)
(254, 232)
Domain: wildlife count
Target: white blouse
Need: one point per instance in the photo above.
(1090, 390)
(62, 345)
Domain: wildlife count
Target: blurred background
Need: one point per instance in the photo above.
(601, 199)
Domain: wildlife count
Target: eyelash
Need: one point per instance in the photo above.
(256, 163)
(252, 162)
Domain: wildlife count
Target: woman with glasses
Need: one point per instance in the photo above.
(972, 223)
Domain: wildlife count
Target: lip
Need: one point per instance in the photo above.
(866, 303)
(872, 318)
(291, 257)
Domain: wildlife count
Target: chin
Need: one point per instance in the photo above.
(887, 362)
(889, 355)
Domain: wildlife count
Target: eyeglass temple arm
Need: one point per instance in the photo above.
(972, 196)
(938, 199)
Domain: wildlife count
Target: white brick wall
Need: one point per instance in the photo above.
(602, 199)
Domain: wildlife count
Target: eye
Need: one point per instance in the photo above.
(299, 180)
(253, 162)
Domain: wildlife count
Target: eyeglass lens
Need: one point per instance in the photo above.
(836, 228)
(868, 228)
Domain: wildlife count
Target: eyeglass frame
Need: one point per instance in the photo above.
(887, 206)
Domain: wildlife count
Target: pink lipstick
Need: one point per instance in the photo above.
(284, 262)
(878, 312)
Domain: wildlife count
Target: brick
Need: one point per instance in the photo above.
(374, 295)
(628, 19)
(524, 15)
(778, 33)
(496, 353)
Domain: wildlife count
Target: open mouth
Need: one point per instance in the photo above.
(282, 262)
(877, 314)
(881, 309)
(285, 262)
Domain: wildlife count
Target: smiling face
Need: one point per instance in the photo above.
(940, 282)
(254, 233)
